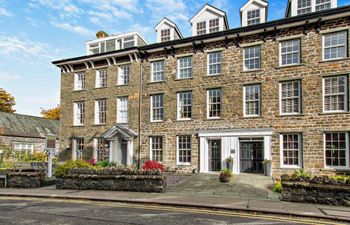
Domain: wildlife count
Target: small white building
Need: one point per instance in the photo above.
(209, 20)
(300, 7)
(254, 12)
(106, 43)
(167, 31)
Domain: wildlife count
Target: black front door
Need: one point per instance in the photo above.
(251, 157)
(214, 155)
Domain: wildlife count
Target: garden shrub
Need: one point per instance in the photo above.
(153, 165)
(277, 187)
(302, 173)
(103, 163)
(226, 173)
(63, 169)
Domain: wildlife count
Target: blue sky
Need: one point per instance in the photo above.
(35, 32)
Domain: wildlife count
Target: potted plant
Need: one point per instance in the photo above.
(229, 163)
(225, 175)
(267, 167)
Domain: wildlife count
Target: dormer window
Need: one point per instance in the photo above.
(129, 42)
(323, 5)
(304, 6)
(213, 25)
(209, 20)
(165, 35)
(201, 28)
(254, 12)
(253, 17)
(94, 48)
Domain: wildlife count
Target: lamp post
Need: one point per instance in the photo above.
(50, 149)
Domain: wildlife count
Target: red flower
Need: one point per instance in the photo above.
(153, 165)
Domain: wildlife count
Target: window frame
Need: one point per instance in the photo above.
(23, 150)
(300, 152)
(98, 78)
(160, 71)
(346, 93)
(164, 35)
(120, 117)
(158, 108)
(345, 45)
(179, 107)
(185, 68)
(299, 98)
(123, 78)
(216, 28)
(178, 150)
(202, 29)
(76, 120)
(98, 112)
(303, 8)
(323, 4)
(245, 100)
(80, 87)
(347, 166)
(244, 58)
(207, 103)
(217, 63)
(151, 148)
(280, 52)
(253, 18)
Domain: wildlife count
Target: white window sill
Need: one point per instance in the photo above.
(184, 119)
(214, 118)
(334, 112)
(183, 164)
(291, 114)
(332, 60)
(79, 90)
(290, 167)
(251, 116)
(214, 75)
(99, 124)
(289, 65)
(156, 121)
(252, 70)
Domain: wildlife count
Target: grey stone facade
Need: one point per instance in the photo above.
(311, 123)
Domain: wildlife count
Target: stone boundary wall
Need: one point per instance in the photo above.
(137, 183)
(23, 180)
(319, 190)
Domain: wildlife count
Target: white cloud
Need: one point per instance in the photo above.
(25, 51)
(173, 9)
(7, 77)
(76, 29)
(5, 12)
(65, 8)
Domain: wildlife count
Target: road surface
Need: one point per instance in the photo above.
(32, 211)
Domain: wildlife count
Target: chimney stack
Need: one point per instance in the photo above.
(101, 34)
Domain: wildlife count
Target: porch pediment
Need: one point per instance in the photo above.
(119, 131)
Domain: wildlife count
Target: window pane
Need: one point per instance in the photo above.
(157, 107)
(214, 63)
(291, 149)
(252, 100)
(336, 149)
(184, 105)
(184, 149)
(157, 148)
(290, 97)
(335, 93)
(185, 67)
(290, 52)
(157, 71)
(252, 58)
(214, 103)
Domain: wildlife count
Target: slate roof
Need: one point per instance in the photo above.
(13, 124)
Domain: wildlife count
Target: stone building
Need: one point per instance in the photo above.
(24, 133)
(269, 90)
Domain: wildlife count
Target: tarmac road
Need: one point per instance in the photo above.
(33, 211)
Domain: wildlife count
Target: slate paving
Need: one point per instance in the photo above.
(254, 186)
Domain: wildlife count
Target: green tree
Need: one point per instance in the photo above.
(7, 101)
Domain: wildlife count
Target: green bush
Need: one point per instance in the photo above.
(302, 173)
(226, 173)
(63, 169)
(341, 178)
(277, 187)
(103, 163)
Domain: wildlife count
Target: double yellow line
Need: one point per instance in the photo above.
(278, 218)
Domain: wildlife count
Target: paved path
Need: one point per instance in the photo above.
(73, 212)
(203, 201)
(254, 186)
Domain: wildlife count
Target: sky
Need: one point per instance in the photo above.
(33, 33)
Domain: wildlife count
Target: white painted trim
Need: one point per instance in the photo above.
(151, 109)
(244, 49)
(214, 74)
(178, 163)
(345, 95)
(251, 44)
(208, 117)
(178, 105)
(244, 101)
(210, 8)
(346, 153)
(152, 78)
(280, 97)
(236, 133)
(262, 3)
(335, 30)
(74, 150)
(280, 52)
(300, 152)
(94, 148)
(346, 45)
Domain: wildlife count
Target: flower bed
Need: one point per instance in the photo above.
(109, 178)
(317, 189)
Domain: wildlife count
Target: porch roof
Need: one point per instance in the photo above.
(119, 131)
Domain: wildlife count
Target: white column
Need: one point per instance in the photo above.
(203, 151)
(267, 147)
(94, 148)
(111, 150)
(129, 153)
(236, 157)
(118, 152)
(74, 150)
